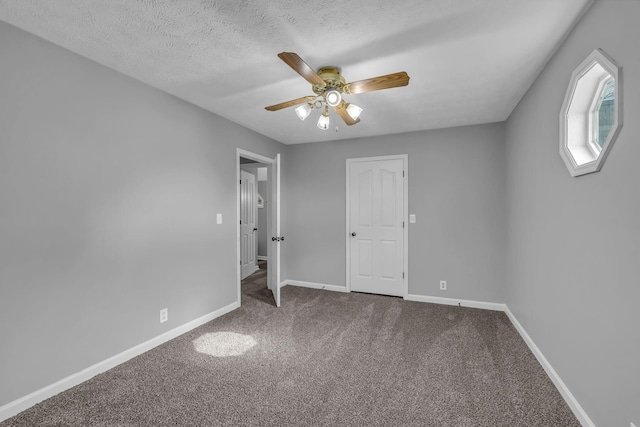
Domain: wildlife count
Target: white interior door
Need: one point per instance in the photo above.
(248, 222)
(276, 238)
(376, 226)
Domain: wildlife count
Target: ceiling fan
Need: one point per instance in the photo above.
(329, 86)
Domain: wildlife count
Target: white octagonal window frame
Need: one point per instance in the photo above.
(578, 147)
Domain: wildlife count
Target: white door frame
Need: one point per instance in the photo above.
(272, 178)
(405, 230)
(248, 268)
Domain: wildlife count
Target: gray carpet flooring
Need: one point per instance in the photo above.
(322, 359)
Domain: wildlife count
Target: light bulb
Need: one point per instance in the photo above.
(323, 121)
(333, 98)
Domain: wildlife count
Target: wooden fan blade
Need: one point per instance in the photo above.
(289, 103)
(378, 83)
(341, 109)
(301, 67)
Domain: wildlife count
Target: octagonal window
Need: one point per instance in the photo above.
(590, 118)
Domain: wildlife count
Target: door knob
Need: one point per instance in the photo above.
(353, 234)
(282, 238)
(255, 229)
(273, 239)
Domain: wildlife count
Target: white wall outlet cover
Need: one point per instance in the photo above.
(443, 285)
(164, 315)
(412, 218)
(219, 218)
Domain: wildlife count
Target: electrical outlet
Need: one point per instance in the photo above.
(164, 315)
(443, 285)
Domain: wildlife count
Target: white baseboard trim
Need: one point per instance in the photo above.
(572, 402)
(458, 302)
(25, 402)
(578, 411)
(262, 258)
(313, 285)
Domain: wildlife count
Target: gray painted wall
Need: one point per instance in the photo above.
(456, 189)
(574, 243)
(109, 193)
(110, 188)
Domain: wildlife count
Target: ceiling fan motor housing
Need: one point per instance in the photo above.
(333, 81)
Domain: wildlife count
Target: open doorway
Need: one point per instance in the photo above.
(258, 207)
(253, 219)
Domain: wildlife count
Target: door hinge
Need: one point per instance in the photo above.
(403, 174)
(402, 224)
(241, 180)
(403, 274)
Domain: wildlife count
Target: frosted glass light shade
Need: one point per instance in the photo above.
(333, 98)
(323, 122)
(354, 111)
(303, 111)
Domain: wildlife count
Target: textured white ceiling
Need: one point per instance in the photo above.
(470, 61)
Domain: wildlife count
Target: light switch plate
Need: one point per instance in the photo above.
(219, 218)
(412, 218)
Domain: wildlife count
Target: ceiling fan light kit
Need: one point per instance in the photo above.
(329, 86)
(323, 121)
(303, 111)
(333, 98)
(353, 111)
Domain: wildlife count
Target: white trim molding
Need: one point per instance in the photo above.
(564, 391)
(578, 149)
(457, 302)
(262, 258)
(19, 405)
(25, 402)
(578, 411)
(273, 219)
(313, 285)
